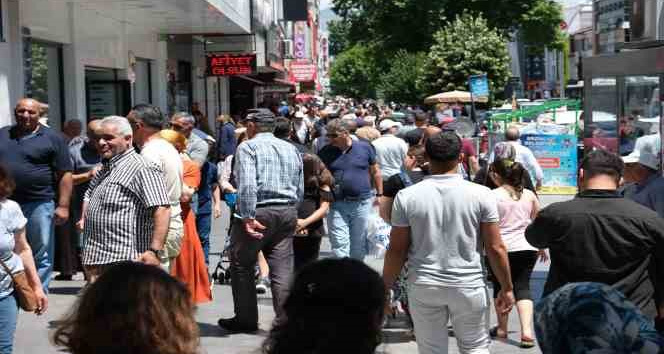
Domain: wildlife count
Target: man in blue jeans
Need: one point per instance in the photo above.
(37, 157)
(353, 164)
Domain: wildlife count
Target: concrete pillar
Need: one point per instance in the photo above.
(159, 76)
(11, 62)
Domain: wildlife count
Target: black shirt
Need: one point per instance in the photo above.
(33, 161)
(395, 183)
(601, 237)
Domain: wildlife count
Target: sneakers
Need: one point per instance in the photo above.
(262, 285)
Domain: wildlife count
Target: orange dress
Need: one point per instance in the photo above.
(190, 267)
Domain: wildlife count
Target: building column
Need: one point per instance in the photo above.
(11, 62)
(159, 74)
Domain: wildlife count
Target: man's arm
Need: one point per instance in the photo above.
(374, 172)
(396, 255)
(64, 196)
(532, 161)
(497, 254)
(161, 218)
(199, 152)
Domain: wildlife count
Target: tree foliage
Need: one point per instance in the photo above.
(540, 26)
(467, 46)
(391, 25)
(353, 73)
(398, 83)
(339, 36)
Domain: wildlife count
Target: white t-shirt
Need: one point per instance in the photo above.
(164, 155)
(444, 213)
(515, 216)
(390, 153)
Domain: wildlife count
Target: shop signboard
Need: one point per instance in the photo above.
(479, 85)
(302, 71)
(557, 155)
(231, 64)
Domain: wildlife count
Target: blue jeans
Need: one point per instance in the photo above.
(40, 233)
(347, 222)
(203, 226)
(8, 316)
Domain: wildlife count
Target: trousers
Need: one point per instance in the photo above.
(467, 309)
(8, 316)
(40, 234)
(277, 247)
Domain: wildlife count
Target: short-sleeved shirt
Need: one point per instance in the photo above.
(468, 149)
(163, 154)
(390, 153)
(650, 194)
(121, 200)
(350, 169)
(444, 213)
(84, 157)
(11, 220)
(515, 216)
(208, 180)
(33, 161)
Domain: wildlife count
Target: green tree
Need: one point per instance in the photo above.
(353, 73)
(467, 46)
(540, 26)
(399, 82)
(339, 34)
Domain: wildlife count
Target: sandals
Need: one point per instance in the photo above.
(527, 342)
(493, 332)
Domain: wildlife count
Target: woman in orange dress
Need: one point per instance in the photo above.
(189, 267)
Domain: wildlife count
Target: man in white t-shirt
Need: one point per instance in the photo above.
(390, 150)
(441, 225)
(146, 122)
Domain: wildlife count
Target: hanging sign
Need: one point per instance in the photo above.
(231, 64)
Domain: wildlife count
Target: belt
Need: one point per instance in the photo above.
(354, 199)
(266, 205)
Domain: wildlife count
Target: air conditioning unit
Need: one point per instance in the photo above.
(287, 49)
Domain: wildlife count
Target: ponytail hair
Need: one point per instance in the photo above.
(512, 173)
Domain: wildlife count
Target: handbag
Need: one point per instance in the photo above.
(25, 296)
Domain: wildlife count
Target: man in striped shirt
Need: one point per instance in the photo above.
(126, 208)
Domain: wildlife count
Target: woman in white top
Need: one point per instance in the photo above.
(517, 207)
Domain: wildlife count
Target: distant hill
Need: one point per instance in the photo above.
(326, 15)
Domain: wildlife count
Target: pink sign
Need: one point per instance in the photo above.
(302, 71)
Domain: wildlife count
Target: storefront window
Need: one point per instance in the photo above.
(44, 82)
(601, 131)
(641, 110)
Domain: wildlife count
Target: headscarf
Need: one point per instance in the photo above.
(593, 318)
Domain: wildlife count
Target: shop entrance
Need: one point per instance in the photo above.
(44, 81)
(242, 95)
(105, 94)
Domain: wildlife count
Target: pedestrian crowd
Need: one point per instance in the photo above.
(131, 204)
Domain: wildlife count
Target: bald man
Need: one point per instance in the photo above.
(524, 155)
(37, 157)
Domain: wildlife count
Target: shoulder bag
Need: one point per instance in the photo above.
(25, 296)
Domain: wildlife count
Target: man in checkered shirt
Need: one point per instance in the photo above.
(126, 208)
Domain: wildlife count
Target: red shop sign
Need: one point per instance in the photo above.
(231, 64)
(302, 71)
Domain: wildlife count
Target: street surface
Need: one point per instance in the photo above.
(33, 333)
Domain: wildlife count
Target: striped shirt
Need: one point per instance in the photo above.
(121, 200)
(268, 171)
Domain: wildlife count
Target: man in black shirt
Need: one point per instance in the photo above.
(601, 237)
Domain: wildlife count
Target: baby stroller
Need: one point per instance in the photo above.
(222, 272)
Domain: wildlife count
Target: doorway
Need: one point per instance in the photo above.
(105, 94)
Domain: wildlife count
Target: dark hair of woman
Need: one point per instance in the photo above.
(419, 154)
(335, 306)
(511, 173)
(315, 173)
(133, 308)
(7, 184)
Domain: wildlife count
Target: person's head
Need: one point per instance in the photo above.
(115, 136)
(94, 133)
(593, 317)
(507, 171)
(224, 118)
(414, 137)
(282, 128)
(27, 113)
(644, 161)
(368, 133)
(352, 126)
(183, 123)
(388, 126)
(338, 133)
(177, 139)
(146, 120)
(259, 120)
(512, 134)
(415, 158)
(443, 151)
(601, 169)
(334, 306)
(315, 173)
(72, 128)
(421, 119)
(240, 135)
(7, 184)
(133, 308)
